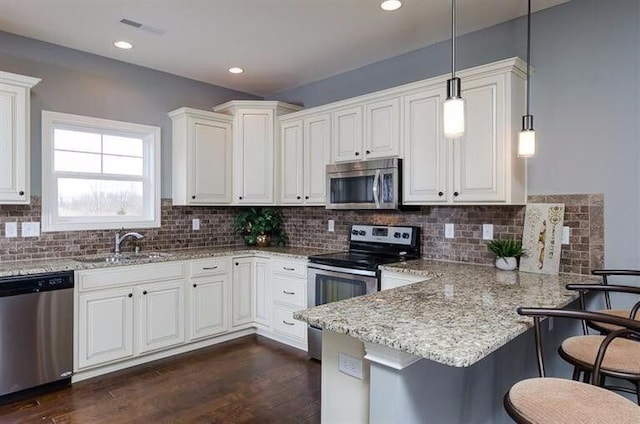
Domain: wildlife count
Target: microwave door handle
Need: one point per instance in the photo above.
(376, 188)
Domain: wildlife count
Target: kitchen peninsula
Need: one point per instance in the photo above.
(442, 350)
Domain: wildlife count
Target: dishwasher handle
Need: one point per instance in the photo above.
(24, 284)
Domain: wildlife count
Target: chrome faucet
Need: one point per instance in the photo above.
(119, 239)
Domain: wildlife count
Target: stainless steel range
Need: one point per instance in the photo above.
(336, 276)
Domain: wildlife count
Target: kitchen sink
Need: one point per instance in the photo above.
(122, 258)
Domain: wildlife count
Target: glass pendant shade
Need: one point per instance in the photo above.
(454, 117)
(527, 138)
(453, 110)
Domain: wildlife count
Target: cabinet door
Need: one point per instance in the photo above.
(161, 322)
(291, 180)
(209, 312)
(425, 149)
(347, 135)
(263, 300)
(317, 155)
(105, 327)
(382, 129)
(241, 292)
(210, 171)
(479, 155)
(14, 144)
(254, 156)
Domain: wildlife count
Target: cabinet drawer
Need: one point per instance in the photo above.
(210, 266)
(290, 290)
(284, 323)
(290, 268)
(128, 275)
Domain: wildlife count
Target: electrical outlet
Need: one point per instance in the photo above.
(350, 365)
(487, 231)
(331, 226)
(30, 229)
(10, 229)
(195, 224)
(566, 233)
(448, 231)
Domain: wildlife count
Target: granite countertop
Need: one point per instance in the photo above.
(457, 317)
(12, 268)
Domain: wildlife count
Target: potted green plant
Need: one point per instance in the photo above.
(261, 227)
(507, 253)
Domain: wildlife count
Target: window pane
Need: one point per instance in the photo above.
(122, 165)
(128, 146)
(77, 197)
(76, 162)
(76, 140)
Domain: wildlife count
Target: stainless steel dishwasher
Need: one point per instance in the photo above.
(36, 330)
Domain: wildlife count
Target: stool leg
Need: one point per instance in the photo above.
(576, 374)
(586, 376)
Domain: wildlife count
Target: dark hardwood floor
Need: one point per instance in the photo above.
(248, 380)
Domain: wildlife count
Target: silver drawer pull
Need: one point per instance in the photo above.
(287, 323)
(287, 292)
(288, 269)
(209, 267)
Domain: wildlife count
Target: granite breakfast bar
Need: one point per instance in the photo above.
(442, 350)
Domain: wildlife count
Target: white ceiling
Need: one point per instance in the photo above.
(281, 43)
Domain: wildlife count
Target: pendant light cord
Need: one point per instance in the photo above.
(453, 38)
(528, 55)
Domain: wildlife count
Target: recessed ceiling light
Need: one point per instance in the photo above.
(390, 5)
(123, 45)
(236, 70)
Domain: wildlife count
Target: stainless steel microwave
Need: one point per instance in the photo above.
(372, 184)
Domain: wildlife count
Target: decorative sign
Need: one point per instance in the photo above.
(542, 238)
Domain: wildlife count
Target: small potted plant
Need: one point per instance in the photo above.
(261, 227)
(507, 253)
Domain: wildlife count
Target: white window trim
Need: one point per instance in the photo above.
(151, 134)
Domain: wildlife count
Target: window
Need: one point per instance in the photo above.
(99, 174)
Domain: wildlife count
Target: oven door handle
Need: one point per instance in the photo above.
(342, 270)
(376, 188)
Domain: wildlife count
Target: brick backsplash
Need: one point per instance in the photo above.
(307, 227)
(584, 213)
(216, 225)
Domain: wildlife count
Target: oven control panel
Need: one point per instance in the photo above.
(382, 234)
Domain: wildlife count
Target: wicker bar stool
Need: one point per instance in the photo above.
(632, 313)
(546, 400)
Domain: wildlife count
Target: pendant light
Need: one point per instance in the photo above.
(454, 125)
(527, 138)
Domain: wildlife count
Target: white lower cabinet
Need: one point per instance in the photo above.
(105, 327)
(241, 294)
(128, 315)
(289, 295)
(263, 292)
(161, 318)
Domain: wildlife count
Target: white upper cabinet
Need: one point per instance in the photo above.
(254, 149)
(481, 167)
(317, 155)
(382, 129)
(305, 152)
(14, 137)
(425, 148)
(479, 155)
(347, 135)
(202, 145)
(292, 172)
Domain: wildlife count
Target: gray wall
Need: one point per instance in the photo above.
(585, 99)
(86, 84)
